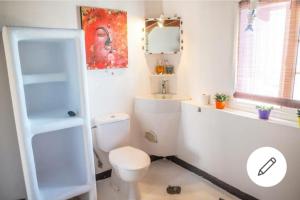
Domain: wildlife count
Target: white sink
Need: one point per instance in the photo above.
(158, 115)
(164, 97)
(159, 103)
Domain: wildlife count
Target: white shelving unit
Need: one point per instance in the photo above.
(44, 78)
(47, 76)
(52, 121)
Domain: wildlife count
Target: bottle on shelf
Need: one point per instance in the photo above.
(159, 69)
(169, 69)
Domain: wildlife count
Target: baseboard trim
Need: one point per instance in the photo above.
(225, 186)
(155, 158)
(103, 175)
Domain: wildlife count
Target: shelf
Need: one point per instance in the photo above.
(44, 56)
(45, 99)
(43, 78)
(246, 114)
(63, 192)
(162, 75)
(60, 163)
(51, 121)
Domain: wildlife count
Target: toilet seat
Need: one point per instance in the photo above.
(129, 158)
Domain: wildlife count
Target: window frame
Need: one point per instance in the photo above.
(292, 48)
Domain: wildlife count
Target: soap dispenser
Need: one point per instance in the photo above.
(169, 69)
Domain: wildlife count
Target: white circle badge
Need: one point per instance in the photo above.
(266, 166)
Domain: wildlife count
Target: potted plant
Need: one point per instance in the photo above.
(264, 111)
(221, 100)
(298, 113)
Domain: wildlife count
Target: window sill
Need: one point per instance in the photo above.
(279, 112)
(248, 114)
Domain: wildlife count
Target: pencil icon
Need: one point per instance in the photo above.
(266, 166)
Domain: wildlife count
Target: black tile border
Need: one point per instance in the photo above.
(103, 175)
(155, 158)
(225, 186)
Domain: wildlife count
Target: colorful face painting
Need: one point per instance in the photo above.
(105, 37)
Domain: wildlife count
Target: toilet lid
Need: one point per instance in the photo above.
(129, 158)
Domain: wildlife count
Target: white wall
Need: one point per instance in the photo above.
(153, 9)
(220, 144)
(205, 65)
(214, 141)
(108, 93)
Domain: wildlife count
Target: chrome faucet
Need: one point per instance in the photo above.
(164, 86)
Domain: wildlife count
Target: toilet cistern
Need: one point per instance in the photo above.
(129, 164)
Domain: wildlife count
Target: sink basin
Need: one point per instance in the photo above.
(159, 103)
(164, 97)
(158, 118)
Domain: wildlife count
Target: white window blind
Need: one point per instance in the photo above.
(266, 69)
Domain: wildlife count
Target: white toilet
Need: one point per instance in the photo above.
(129, 164)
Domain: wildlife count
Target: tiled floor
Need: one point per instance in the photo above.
(161, 174)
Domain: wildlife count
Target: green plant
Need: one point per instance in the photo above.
(298, 112)
(268, 108)
(220, 97)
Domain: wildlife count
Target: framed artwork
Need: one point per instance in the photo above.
(105, 37)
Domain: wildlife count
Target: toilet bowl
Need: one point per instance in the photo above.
(129, 164)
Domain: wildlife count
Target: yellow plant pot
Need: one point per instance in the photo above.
(299, 121)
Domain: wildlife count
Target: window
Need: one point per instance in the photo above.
(267, 67)
(296, 94)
